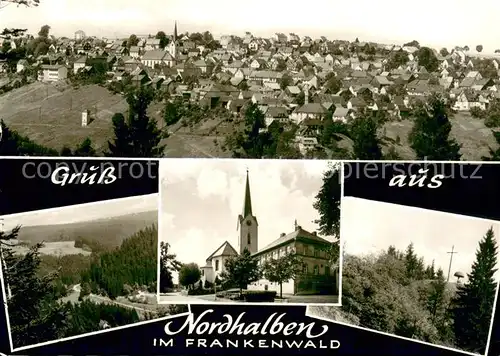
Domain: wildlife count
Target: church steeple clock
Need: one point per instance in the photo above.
(247, 223)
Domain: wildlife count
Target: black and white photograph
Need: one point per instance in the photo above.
(419, 274)
(250, 231)
(80, 269)
(258, 83)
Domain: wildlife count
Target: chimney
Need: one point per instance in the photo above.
(282, 234)
(315, 233)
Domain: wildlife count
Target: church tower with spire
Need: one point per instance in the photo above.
(247, 223)
(172, 48)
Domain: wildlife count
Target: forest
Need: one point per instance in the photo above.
(395, 292)
(35, 286)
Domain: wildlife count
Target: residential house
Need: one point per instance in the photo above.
(135, 52)
(156, 58)
(79, 64)
(52, 73)
(314, 111)
(152, 44)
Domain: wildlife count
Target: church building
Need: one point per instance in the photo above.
(317, 276)
(173, 46)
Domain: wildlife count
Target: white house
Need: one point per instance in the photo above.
(215, 263)
(52, 73)
(80, 63)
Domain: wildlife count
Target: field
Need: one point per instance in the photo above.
(468, 131)
(60, 248)
(106, 232)
(50, 114)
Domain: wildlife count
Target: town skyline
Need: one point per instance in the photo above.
(107, 18)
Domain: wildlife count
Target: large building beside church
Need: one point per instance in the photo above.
(317, 276)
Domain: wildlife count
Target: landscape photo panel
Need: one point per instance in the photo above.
(248, 231)
(72, 270)
(419, 273)
(425, 275)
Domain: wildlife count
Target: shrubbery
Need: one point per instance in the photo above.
(201, 291)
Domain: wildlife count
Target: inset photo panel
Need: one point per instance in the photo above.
(82, 269)
(249, 231)
(418, 274)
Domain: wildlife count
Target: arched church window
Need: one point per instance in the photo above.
(249, 239)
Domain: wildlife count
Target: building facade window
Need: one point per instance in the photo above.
(216, 265)
(316, 269)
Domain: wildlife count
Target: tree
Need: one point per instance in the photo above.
(44, 31)
(473, 305)
(281, 270)
(286, 80)
(132, 41)
(430, 135)
(189, 274)
(139, 136)
(411, 262)
(444, 52)
(85, 149)
(413, 43)
(479, 48)
(163, 39)
(364, 134)
(397, 59)
(427, 59)
(171, 113)
(333, 84)
(251, 143)
(327, 202)
(430, 272)
(437, 296)
(241, 270)
(35, 313)
(168, 264)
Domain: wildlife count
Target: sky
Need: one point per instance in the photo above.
(370, 227)
(437, 23)
(202, 198)
(84, 212)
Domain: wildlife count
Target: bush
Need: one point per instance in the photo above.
(208, 285)
(200, 291)
(477, 112)
(259, 296)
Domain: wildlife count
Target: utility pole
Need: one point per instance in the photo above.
(452, 252)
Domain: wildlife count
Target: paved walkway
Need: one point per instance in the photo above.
(210, 298)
